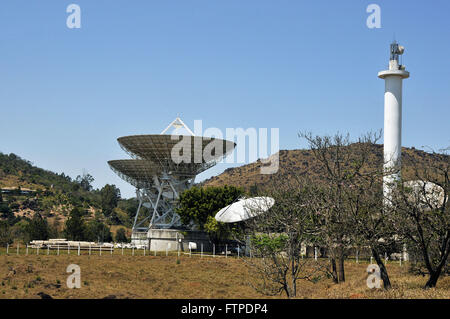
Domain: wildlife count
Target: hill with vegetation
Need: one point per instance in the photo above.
(302, 162)
(44, 200)
(30, 195)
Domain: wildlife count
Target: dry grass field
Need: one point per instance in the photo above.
(141, 276)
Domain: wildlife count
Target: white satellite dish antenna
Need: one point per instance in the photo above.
(244, 209)
(427, 193)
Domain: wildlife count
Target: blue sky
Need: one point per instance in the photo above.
(67, 94)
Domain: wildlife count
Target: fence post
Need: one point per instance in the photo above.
(48, 249)
(7, 249)
(132, 251)
(400, 260)
(357, 256)
(78, 249)
(89, 249)
(68, 249)
(144, 250)
(100, 250)
(27, 250)
(371, 259)
(58, 249)
(122, 249)
(226, 250)
(214, 250)
(201, 251)
(17, 248)
(111, 250)
(178, 249)
(315, 253)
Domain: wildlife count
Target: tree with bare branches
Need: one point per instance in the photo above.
(350, 201)
(276, 239)
(420, 213)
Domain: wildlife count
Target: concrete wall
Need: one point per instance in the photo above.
(171, 239)
(162, 239)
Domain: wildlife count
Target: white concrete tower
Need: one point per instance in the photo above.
(393, 78)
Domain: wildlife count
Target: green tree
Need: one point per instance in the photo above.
(129, 206)
(121, 236)
(218, 231)
(96, 230)
(197, 204)
(110, 196)
(18, 231)
(53, 231)
(5, 233)
(75, 228)
(6, 213)
(85, 181)
(37, 228)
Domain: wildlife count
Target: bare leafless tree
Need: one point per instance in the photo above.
(420, 213)
(350, 205)
(276, 239)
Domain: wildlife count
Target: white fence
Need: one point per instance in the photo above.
(79, 248)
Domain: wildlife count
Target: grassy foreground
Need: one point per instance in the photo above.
(141, 276)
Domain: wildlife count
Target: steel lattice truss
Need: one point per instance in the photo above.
(162, 167)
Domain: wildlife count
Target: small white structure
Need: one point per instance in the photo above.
(430, 195)
(69, 244)
(393, 78)
(174, 240)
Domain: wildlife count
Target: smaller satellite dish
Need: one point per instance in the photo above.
(427, 193)
(244, 209)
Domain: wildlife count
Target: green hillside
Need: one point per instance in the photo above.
(29, 192)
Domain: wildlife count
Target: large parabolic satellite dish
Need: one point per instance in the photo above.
(244, 209)
(162, 167)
